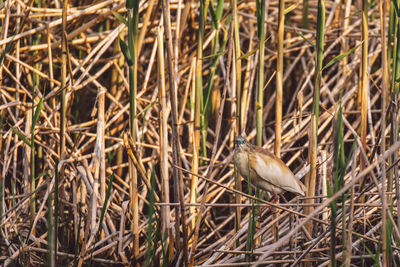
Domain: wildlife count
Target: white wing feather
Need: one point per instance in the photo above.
(278, 175)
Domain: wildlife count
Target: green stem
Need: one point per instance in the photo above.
(260, 82)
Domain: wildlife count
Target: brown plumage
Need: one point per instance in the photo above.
(266, 171)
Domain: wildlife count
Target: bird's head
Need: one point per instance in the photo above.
(241, 142)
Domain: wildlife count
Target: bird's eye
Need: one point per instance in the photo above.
(240, 141)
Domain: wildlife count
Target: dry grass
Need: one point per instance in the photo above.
(97, 116)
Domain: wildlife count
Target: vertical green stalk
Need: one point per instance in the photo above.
(396, 58)
(151, 233)
(55, 216)
(362, 100)
(395, 130)
(133, 21)
(393, 173)
(199, 81)
(50, 223)
(260, 82)
(305, 14)
(391, 32)
(339, 162)
(32, 174)
(199, 78)
(63, 120)
(199, 137)
(35, 85)
(311, 182)
(205, 106)
(199, 86)
(386, 226)
(250, 242)
(339, 172)
(238, 66)
(260, 9)
(2, 185)
(116, 82)
(198, 103)
(39, 153)
(216, 53)
(51, 244)
(279, 79)
(239, 115)
(2, 56)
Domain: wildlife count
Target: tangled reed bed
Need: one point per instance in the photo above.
(76, 199)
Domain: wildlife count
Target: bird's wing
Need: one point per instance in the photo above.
(272, 170)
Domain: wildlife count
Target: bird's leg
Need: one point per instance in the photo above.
(263, 208)
(274, 198)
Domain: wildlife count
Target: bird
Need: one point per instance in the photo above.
(265, 170)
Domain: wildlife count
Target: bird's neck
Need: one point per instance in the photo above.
(245, 148)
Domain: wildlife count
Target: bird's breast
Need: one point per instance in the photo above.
(241, 160)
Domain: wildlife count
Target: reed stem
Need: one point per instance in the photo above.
(260, 81)
(311, 182)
